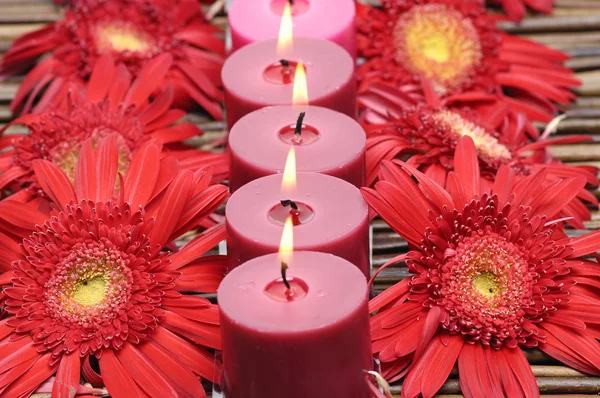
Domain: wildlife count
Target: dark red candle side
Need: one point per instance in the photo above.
(317, 346)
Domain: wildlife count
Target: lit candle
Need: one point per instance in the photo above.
(329, 216)
(262, 73)
(304, 334)
(333, 20)
(325, 141)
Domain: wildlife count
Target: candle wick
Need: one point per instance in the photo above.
(289, 202)
(291, 2)
(284, 268)
(298, 130)
(284, 62)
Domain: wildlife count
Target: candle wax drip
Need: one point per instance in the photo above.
(308, 135)
(278, 214)
(299, 7)
(279, 74)
(278, 291)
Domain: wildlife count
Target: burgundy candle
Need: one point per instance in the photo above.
(255, 77)
(325, 141)
(310, 341)
(330, 216)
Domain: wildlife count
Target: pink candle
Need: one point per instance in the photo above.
(328, 142)
(331, 217)
(333, 20)
(312, 343)
(255, 77)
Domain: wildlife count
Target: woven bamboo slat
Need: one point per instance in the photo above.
(574, 28)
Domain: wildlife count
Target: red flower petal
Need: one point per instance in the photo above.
(67, 375)
(431, 371)
(54, 182)
(117, 378)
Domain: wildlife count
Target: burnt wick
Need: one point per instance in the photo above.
(291, 2)
(284, 268)
(298, 129)
(289, 202)
(284, 62)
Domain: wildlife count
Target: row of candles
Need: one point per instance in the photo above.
(294, 323)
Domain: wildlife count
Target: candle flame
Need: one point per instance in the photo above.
(288, 182)
(300, 93)
(284, 43)
(286, 246)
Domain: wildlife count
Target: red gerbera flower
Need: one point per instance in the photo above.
(456, 46)
(89, 282)
(492, 273)
(109, 103)
(515, 9)
(428, 135)
(134, 32)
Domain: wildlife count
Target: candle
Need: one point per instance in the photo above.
(325, 141)
(255, 77)
(311, 340)
(330, 216)
(333, 20)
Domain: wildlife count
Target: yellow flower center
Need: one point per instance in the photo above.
(91, 290)
(437, 42)
(122, 38)
(487, 145)
(436, 48)
(65, 154)
(486, 283)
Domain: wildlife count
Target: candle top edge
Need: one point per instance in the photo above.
(254, 139)
(332, 17)
(328, 67)
(339, 210)
(336, 290)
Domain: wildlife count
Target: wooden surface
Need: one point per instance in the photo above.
(575, 29)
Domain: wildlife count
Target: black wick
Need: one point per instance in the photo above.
(284, 268)
(298, 130)
(291, 2)
(289, 202)
(284, 62)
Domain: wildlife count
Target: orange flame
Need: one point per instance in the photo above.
(288, 182)
(284, 43)
(286, 246)
(300, 93)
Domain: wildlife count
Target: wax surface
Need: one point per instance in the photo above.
(329, 76)
(317, 346)
(340, 224)
(333, 20)
(256, 149)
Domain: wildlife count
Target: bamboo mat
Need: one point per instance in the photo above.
(574, 28)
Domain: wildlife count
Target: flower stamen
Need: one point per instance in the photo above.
(121, 38)
(438, 43)
(487, 145)
(486, 284)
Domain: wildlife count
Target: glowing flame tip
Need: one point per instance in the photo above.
(284, 42)
(288, 182)
(286, 246)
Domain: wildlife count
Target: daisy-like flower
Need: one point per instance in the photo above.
(427, 135)
(455, 45)
(108, 104)
(133, 32)
(492, 274)
(89, 282)
(515, 9)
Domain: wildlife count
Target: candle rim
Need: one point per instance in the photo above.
(269, 234)
(237, 84)
(340, 18)
(342, 123)
(274, 320)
